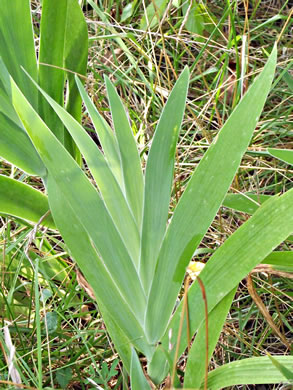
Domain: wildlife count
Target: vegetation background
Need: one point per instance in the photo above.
(77, 352)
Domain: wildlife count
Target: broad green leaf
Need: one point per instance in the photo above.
(239, 254)
(285, 155)
(159, 178)
(17, 45)
(63, 50)
(201, 200)
(282, 261)
(51, 60)
(23, 201)
(105, 135)
(128, 11)
(195, 368)
(154, 12)
(75, 54)
(107, 292)
(122, 343)
(288, 373)
(258, 370)
(107, 184)
(247, 203)
(130, 161)
(137, 378)
(195, 19)
(85, 202)
(17, 148)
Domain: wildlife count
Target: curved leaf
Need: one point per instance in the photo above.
(23, 201)
(258, 370)
(285, 155)
(239, 254)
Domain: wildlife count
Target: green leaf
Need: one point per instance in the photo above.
(63, 376)
(98, 276)
(247, 203)
(130, 161)
(51, 56)
(258, 370)
(154, 12)
(137, 377)
(63, 50)
(119, 338)
(239, 254)
(23, 201)
(195, 368)
(83, 214)
(15, 145)
(159, 178)
(195, 19)
(201, 200)
(51, 321)
(107, 184)
(105, 135)
(282, 261)
(17, 45)
(128, 11)
(289, 80)
(285, 155)
(288, 374)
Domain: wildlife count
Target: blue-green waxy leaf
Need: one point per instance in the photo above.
(130, 161)
(105, 135)
(239, 254)
(257, 370)
(107, 292)
(285, 155)
(63, 51)
(137, 377)
(159, 178)
(109, 188)
(83, 199)
(23, 201)
(201, 200)
(17, 45)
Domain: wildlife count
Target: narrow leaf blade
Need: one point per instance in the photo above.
(159, 178)
(130, 161)
(258, 370)
(23, 201)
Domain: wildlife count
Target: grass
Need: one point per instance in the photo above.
(63, 343)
